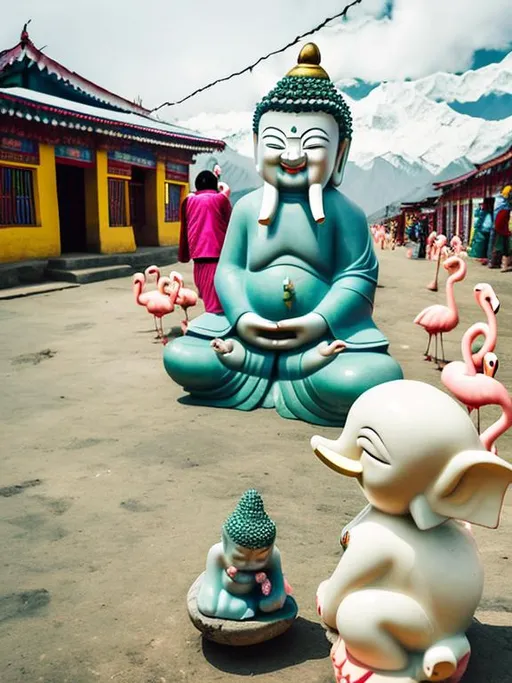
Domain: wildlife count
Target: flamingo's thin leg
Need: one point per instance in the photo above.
(478, 419)
(435, 350)
(442, 347)
(428, 345)
(164, 338)
(156, 328)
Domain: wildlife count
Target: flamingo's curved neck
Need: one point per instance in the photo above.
(469, 337)
(490, 335)
(137, 288)
(499, 427)
(175, 280)
(450, 296)
(163, 282)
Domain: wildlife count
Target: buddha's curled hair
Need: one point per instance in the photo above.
(297, 94)
(249, 525)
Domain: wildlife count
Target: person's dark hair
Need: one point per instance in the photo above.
(488, 204)
(206, 180)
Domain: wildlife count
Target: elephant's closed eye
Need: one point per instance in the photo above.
(371, 449)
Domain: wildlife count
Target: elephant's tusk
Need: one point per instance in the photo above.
(339, 463)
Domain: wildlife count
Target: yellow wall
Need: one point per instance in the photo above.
(20, 243)
(112, 240)
(43, 240)
(168, 233)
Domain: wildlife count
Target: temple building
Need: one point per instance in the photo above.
(82, 169)
(460, 196)
(449, 206)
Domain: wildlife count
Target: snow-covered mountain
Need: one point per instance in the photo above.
(405, 133)
(467, 87)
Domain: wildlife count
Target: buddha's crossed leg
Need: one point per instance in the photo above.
(325, 395)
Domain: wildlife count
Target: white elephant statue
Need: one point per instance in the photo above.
(410, 578)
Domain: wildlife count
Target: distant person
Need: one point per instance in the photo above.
(481, 232)
(422, 231)
(501, 248)
(205, 216)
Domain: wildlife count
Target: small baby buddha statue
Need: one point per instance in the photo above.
(243, 581)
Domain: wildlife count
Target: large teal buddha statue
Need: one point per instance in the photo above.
(297, 274)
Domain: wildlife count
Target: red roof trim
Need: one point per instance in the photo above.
(219, 144)
(453, 181)
(496, 161)
(480, 168)
(78, 82)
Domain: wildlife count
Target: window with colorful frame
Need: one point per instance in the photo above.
(173, 194)
(17, 199)
(117, 204)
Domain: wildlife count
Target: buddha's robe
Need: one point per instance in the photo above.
(334, 272)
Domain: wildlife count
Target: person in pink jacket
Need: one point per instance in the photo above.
(205, 216)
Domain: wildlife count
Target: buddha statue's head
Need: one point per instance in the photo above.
(302, 131)
(248, 534)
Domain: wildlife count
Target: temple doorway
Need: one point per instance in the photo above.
(138, 214)
(71, 200)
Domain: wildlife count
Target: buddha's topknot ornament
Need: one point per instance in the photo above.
(249, 525)
(307, 87)
(308, 63)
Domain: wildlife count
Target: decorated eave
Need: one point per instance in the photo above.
(26, 56)
(426, 203)
(455, 181)
(47, 110)
(503, 160)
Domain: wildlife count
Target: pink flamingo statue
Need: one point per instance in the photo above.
(142, 297)
(186, 298)
(381, 237)
(490, 304)
(438, 251)
(438, 319)
(156, 302)
(456, 245)
(477, 390)
(430, 241)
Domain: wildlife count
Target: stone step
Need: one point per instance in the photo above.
(33, 289)
(142, 258)
(86, 275)
(21, 273)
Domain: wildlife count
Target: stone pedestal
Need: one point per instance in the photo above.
(240, 633)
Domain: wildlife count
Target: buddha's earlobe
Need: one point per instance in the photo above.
(341, 160)
(255, 142)
(316, 202)
(269, 204)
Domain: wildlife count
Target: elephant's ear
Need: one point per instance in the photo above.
(471, 488)
(341, 161)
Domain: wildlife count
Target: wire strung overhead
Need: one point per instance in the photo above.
(324, 23)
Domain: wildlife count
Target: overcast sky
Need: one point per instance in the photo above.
(163, 49)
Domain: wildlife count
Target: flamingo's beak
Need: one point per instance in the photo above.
(491, 364)
(495, 303)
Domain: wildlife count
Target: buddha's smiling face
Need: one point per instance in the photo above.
(245, 559)
(296, 151)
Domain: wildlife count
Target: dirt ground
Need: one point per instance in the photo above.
(113, 493)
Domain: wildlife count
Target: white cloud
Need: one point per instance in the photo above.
(421, 37)
(164, 50)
